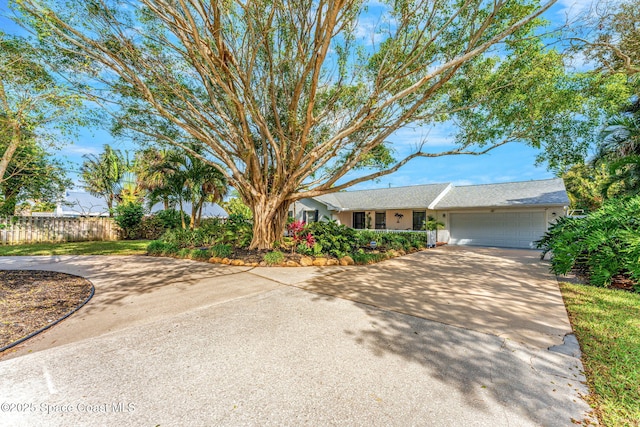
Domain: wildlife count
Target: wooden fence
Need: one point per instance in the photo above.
(18, 230)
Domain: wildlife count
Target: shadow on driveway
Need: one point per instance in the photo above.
(508, 293)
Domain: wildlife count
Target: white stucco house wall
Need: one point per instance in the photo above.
(513, 214)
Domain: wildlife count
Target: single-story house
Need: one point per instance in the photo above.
(512, 214)
(81, 204)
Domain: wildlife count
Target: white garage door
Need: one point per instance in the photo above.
(508, 230)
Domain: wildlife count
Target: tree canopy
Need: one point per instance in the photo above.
(609, 35)
(102, 174)
(31, 176)
(34, 105)
(288, 98)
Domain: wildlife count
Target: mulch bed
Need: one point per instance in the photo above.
(31, 299)
(619, 281)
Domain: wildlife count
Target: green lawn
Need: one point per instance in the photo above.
(122, 247)
(607, 325)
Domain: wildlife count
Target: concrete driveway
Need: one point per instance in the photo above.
(450, 336)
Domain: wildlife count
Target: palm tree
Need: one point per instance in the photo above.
(176, 176)
(102, 174)
(201, 183)
(620, 151)
(154, 169)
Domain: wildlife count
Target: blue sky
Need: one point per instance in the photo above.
(512, 162)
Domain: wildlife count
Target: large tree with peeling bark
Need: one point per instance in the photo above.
(287, 98)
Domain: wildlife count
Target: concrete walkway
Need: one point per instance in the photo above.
(445, 337)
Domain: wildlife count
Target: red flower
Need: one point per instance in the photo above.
(310, 240)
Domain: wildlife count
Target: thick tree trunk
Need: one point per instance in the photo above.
(269, 220)
(10, 150)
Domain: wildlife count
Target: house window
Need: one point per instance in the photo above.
(310, 216)
(358, 220)
(290, 214)
(381, 220)
(419, 217)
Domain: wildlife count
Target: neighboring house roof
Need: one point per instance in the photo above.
(416, 196)
(548, 192)
(79, 203)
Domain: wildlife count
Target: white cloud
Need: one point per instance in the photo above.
(571, 9)
(440, 136)
(78, 150)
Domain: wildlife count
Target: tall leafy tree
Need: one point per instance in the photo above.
(31, 176)
(34, 105)
(292, 99)
(102, 174)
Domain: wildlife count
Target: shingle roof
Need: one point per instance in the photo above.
(416, 196)
(546, 192)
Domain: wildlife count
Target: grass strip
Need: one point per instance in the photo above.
(607, 325)
(120, 247)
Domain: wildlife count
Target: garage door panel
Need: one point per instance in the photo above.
(504, 229)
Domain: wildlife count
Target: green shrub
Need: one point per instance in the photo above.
(365, 237)
(158, 247)
(603, 244)
(392, 240)
(170, 218)
(188, 238)
(170, 249)
(155, 247)
(151, 227)
(200, 254)
(237, 231)
(363, 258)
(273, 258)
(212, 226)
(129, 217)
(184, 253)
(221, 250)
(332, 238)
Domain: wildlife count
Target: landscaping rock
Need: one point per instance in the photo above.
(254, 264)
(320, 262)
(333, 261)
(225, 261)
(237, 262)
(306, 261)
(215, 260)
(262, 264)
(346, 260)
(291, 263)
